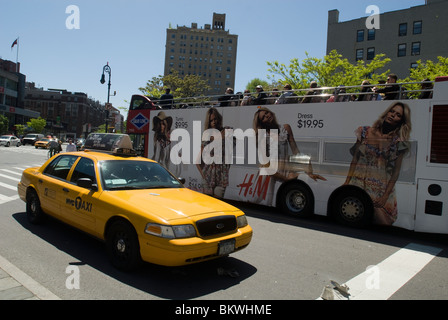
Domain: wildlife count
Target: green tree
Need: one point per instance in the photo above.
(429, 70)
(252, 84)
(20, 128)
(330, 71)
(188, 86)
(426, 70)
(153, 88)
(38, 124)
(4, 124)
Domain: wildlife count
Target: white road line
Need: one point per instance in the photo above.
(8, 186)
(37, 289)
(4, 199)
(11, 172)
(387, 277)
(8, 177)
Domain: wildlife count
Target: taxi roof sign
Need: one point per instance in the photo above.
(119, 144)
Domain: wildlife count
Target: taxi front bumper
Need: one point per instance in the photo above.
(179, 252)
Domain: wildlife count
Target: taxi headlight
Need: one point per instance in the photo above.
(184, 231)
(241, 221)
(170, 232)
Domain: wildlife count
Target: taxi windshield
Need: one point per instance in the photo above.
(130, 175)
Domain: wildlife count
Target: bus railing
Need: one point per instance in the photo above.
(318, 94)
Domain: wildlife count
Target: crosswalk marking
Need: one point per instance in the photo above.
(394, 272)
(11, 172)
(8, 186)
(8, 177)
(4, 199)
(381, 281)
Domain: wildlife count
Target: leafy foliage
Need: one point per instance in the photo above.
(38, 124)
(330, 71)
(428, 70)
(188, 86)
(4, 124)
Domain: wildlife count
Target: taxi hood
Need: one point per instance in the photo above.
(170, 204)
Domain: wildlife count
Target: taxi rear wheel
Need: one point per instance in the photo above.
(122, 246)
(34, 211)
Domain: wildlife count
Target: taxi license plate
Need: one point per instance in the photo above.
(225, 247)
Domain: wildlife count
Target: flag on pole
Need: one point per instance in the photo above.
(14, 43)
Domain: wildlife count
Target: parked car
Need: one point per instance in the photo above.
(9, 140)
(31, 138)
(43, 143)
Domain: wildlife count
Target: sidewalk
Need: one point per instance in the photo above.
(16, 285)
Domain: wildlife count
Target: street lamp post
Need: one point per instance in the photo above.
(107, 69)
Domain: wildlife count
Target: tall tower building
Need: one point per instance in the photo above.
(208, 52)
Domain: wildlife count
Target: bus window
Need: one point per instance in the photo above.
(141, 102)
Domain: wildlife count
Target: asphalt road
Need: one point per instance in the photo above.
(288, 259)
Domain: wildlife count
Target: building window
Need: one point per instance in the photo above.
(359, 54)
(403, 29)
(370, 53)
(401, 50)
(360, 36)
(371, 34)
(416, 48)
(417, 27)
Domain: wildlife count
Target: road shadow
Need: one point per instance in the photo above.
(392, 236)
(177, 283)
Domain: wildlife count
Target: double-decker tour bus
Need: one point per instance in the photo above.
(361, 160)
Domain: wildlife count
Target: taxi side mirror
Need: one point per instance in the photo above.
(182, 180)
(87, 184)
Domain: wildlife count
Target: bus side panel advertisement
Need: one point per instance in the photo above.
(247, 153)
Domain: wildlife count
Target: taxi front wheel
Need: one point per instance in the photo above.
(122, 246)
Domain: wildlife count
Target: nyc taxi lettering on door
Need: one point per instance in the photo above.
(50, 193)
(79, 204)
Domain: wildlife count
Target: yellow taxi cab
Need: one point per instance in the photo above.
(135, 205)
(43, 143)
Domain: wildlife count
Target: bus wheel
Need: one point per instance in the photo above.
(353, 208)
(296, 200)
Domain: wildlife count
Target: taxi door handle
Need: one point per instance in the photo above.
(65, 190)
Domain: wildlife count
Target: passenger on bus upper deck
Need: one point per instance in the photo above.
(313, 92)
(247, 98)
(427, 86)
(366, 92)
(273, 96)
(391, 91)
(288, 96)
(166, 100)
(225, 100)
(340, 95)
(260, 99)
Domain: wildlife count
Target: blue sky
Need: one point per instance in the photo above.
(131, 36)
